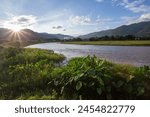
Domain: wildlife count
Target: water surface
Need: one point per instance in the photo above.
(135, 55)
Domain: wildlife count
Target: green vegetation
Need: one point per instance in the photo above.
(115, 43)
(92, 78)
(18, 44)
(39, 74)
(25, 73)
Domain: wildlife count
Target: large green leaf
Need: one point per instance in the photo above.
(99, 91)
(101, 81)
(120, 83)
(79, 85)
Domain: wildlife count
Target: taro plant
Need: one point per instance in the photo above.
(93, 78)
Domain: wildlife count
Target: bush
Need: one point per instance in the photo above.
(26, 71)
(93, 78)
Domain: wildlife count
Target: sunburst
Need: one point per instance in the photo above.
(15, 28)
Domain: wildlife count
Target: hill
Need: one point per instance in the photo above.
(141, 29)
(26, 36)
(54, 36)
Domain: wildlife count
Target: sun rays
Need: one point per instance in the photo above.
(18, 36)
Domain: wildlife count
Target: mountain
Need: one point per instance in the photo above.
(26, 37)
(29, 34)
(141, 29)
(54, 36)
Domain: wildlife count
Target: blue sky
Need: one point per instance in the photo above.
(73, 17)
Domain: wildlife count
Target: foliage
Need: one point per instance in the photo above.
(26, 71)
(39, 74)
(93, 78)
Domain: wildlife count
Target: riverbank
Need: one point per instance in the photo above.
(113, 43)
(38, 74)
(135, 55)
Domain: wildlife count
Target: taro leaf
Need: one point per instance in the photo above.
(129, 88)
(108, 96)
(91, 84)
(101, 81)
(62, 74)
(79, 85)
(140, 91)
(56, 83)
(91, 72)
(99, 91)
(75, 78)
(114, 84)
(81, 75)
(50, 82)
(80, 97)
(108, 89)
(101, 63)
(62, 90)
(120, 83)
(78, 76)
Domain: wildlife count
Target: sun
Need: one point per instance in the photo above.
(15, 29)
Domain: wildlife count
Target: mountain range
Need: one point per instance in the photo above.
(28, 36)
(141, 29)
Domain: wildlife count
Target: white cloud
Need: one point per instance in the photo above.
(144, 17)
(52, 22)
(57, 27)
(22, 21)
(80, 20)
(136, 6)
(100, 20)
(130, 20)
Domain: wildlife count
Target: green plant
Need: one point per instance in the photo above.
(93, 78)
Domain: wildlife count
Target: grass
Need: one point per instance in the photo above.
(18, 44)
(39, 74)
(113, 43)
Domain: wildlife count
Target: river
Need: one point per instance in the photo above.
(135, 55)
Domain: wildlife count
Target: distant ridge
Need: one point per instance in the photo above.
(54, 36)
(31, 35)
(27, 37)
(141, 29)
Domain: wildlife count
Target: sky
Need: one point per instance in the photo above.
(72, 17)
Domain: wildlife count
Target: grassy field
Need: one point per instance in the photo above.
(115, 43)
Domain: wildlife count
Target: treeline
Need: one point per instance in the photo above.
(110, 38)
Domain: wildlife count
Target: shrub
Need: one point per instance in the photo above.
(26, 71)
(93, 78)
